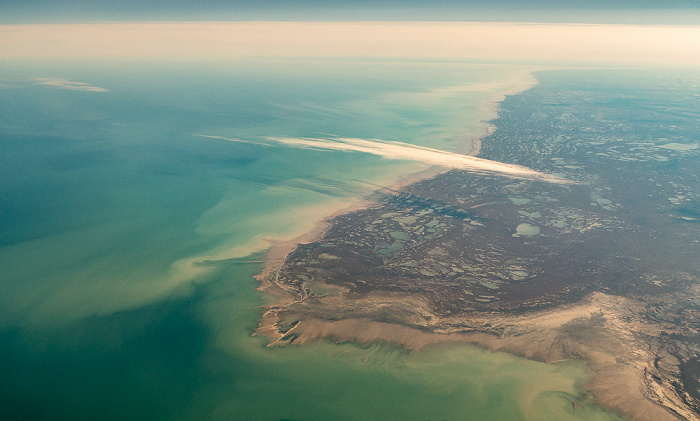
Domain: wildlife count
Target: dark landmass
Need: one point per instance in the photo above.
(606, 269)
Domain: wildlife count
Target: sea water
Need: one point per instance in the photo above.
(137, 199)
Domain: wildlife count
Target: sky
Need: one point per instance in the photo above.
(589, 11)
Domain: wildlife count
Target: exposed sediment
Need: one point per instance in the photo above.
(603, 270)
(635, 372)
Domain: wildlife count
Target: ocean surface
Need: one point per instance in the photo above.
(137, 199)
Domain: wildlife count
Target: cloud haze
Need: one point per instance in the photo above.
(563, 43)
(67, 84)
(404, 151)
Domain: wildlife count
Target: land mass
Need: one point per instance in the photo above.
(604, 269)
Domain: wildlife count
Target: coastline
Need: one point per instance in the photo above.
(634, 371)
(469, 143)
(490, 109)
(616, 359)
(603, 330)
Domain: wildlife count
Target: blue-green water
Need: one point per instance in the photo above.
(126, 241)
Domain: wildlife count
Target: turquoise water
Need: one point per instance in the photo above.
(126, 241)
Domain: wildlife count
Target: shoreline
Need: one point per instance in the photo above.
(471, 145)
(543, 335)
(278, 251)
(617, 360)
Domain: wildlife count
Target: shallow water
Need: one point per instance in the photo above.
(128, 243)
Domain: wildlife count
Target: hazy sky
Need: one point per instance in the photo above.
(592, 11)
(561, 44)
